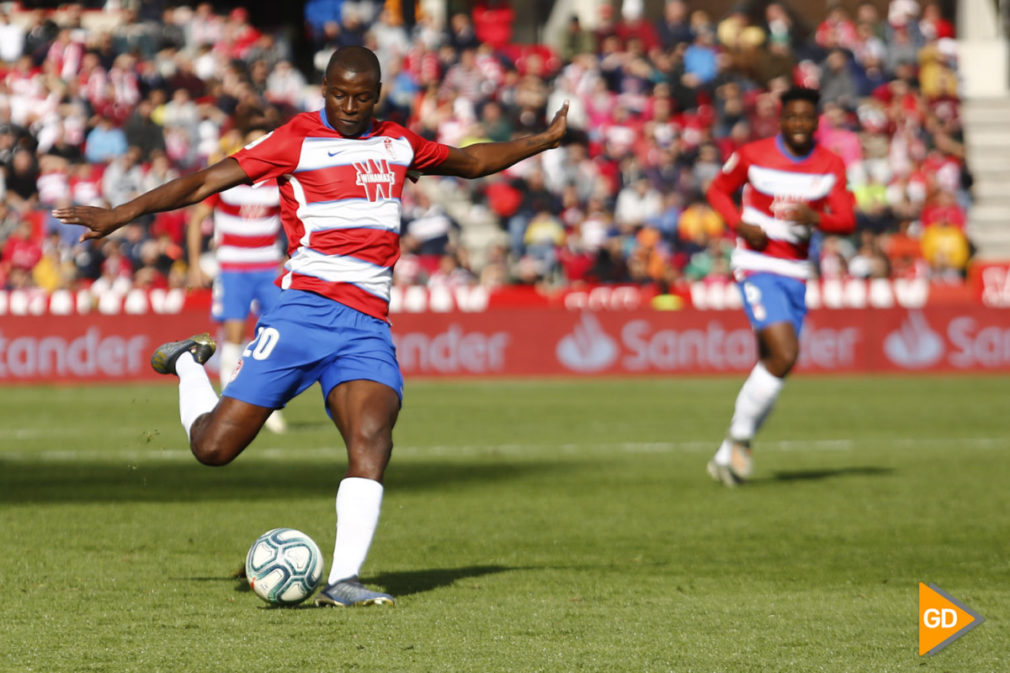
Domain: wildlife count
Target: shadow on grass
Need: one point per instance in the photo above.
(408, 582)
(399, 584)
(811, 475)
(23, 483)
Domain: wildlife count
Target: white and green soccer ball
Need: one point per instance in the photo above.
(284, 566)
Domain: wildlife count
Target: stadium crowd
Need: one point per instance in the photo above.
(98, 112)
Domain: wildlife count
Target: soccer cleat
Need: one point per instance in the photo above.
(351, 593)
(200, 346)
(275, 423)
(737, 470)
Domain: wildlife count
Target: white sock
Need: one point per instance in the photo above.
(754, 403)
(229, 357)
(358, 504)
(196, 394)
(724, 452)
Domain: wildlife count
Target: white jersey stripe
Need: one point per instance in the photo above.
(254, 195)
(242, 226)
(234, 255)
(299, 193)
(335, 152)
(372, 278)
(355, 214)
(805, 186)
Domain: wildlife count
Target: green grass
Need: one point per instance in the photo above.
(527, 526)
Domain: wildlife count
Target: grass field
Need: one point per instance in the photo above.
(527, 526)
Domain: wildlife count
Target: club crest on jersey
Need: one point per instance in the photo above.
(783, 204)
(376, 177)
(388, 144)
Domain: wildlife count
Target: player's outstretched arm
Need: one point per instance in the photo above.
(480, 159)
(182, 191)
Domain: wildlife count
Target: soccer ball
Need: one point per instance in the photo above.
(284, 566)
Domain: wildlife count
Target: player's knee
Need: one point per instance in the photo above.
(781, 362)
(368, 452)
(211, 453)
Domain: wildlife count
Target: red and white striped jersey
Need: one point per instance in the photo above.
(340, 203)
(247, 224)
(773, 179)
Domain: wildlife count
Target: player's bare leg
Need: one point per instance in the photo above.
(364, 412)
(218, 430)
(778, 348)
(230, 353)
(217, 437)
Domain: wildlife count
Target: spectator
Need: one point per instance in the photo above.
(700, 62)
(105, 142)
(674, 29)
(142, 132)
(12, 39)
(576, 40)
(22, 192)
(430, 226)
(837, 82)
(637, 203)
(22, 250)
(123, 180)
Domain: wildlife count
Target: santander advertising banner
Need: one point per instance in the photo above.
(535, 342)
(77, 341)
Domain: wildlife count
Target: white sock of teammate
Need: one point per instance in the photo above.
(229, 354)
(753, 404)
(358, 504)
(196, 393)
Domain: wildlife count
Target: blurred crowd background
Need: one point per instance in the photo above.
(99, 104)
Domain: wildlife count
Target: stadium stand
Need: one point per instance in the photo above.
(99, 104)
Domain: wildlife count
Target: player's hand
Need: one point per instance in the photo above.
(100, 221)
(803, 214)
(196, 279)
(754, 235)
(559, 125)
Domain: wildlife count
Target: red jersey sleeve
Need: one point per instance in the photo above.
(725, 185)
(212, 201)
(271, 156)
(427, 153)
(838, 215)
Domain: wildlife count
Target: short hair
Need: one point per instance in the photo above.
(356, 59)
(812, 96)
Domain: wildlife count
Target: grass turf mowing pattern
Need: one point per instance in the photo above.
(527, 526)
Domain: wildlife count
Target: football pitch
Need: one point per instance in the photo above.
(527, 526)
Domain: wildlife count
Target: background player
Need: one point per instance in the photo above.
(247, 248)
(341, 175)
(791, 186)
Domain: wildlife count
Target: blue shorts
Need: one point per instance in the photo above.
(307, 338)
(769, 298)
(235, 292)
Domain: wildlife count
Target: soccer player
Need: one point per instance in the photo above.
(247, 225)
(341, 174)
(791, 186)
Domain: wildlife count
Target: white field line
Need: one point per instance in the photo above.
(335, 452)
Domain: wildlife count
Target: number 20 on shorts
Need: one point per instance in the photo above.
(264, 343)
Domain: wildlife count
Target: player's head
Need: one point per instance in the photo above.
(798, 118)
(351, 86)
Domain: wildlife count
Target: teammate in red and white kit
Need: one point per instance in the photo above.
(791, 187)
(248, 252)
(341, 175)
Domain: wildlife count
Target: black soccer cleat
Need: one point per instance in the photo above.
(200, 346)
